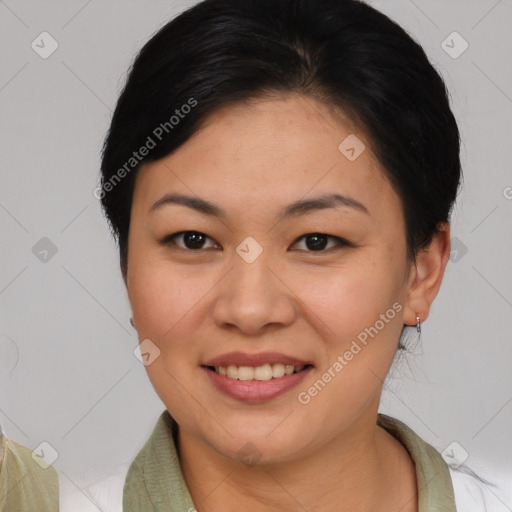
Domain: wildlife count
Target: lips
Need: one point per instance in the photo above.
(255, 391)
(255, 378)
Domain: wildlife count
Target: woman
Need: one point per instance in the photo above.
(282, 218)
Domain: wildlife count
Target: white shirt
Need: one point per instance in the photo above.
(106, 494)
(471, 495)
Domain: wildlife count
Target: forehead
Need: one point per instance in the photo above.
(271, 152)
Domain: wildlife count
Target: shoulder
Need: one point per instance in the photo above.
(473, 494)
(94, 489)
(108, 493)
(480, 491)
(18, 463)
(103, 488)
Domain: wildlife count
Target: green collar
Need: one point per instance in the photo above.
(155, 483)
(435, 490)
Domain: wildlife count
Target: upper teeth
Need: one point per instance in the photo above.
(265, 372)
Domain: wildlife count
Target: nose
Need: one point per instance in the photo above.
(253, 298)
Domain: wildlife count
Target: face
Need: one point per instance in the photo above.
(319, 289)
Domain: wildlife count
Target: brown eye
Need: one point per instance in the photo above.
(317, 242)
(191, 240)
(195, 241)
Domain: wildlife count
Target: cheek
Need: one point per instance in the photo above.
(358, 309)
(169, 306)
(347, 299)
(166, 299)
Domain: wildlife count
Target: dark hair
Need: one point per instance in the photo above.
(341, 52)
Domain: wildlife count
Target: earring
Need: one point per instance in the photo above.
(401, 344)
(131, 321)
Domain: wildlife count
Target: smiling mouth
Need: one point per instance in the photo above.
(262, 373)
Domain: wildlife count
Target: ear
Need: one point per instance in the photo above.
(426, 276)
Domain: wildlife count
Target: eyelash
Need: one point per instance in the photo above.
(341, 242)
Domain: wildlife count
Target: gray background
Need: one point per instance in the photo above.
(68, 373)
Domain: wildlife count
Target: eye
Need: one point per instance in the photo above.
(195, 241)
(318, 241)
(192, 240)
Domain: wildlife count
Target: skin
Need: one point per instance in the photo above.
(252, 160)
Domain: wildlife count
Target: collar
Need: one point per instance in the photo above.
(435, 490)
(155, 483)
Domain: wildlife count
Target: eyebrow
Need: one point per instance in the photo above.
(300, 207)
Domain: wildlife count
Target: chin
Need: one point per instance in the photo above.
(252, 447)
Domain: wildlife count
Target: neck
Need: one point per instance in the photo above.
(363, 468)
